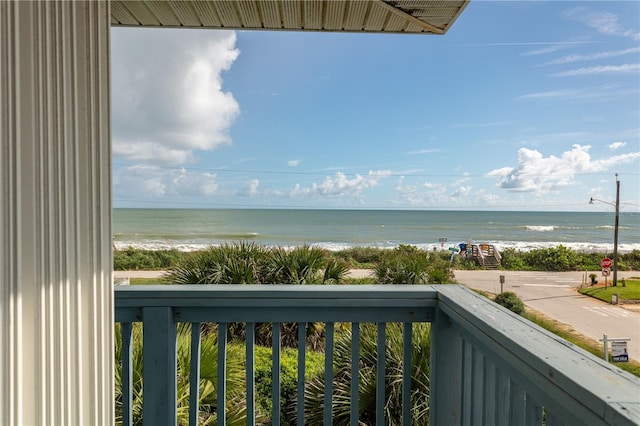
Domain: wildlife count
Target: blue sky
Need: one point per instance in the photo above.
(520, 106)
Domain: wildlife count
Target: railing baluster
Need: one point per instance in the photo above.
(381, 353)
(489, 394)
(516, 404)
(251, 373)
(127, 373)
(467, 382)
(328, 374)
(159, 366)
(479, 377)
(407, 363)
(275, 372)
(302, 355)
(502, 398)
(222, 373)
(552, 420)
(194, 374)
(533, 412)
(355, 373)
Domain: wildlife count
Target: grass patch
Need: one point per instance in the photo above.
(147, 281)
(630, 292)
(577, 339)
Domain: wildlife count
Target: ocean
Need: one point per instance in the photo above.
(194, 229)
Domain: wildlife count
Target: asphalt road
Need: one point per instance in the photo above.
(555, 295)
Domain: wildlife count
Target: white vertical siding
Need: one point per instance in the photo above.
(56, 304)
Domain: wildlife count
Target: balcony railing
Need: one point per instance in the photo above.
(488, 366)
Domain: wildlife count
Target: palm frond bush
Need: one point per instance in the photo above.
(403, 265)
(235, 384)
(239, 263)
(300, 265)
(250, 263)
(314, 390)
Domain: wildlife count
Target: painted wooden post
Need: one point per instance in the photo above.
(194, 374)
(250, 373)
(355, 373)
(381, 353)
(127, 373)
(221, 386)
(159, 367)
(302, 356)
(407, 363)
(275, 374)
(328, 374)
(446, 372)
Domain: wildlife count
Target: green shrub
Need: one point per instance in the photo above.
(403, 265)
(314, 390)
(360, 257)
(554, 259)
(513, 260)
(132, 259)
(314, 363)
(511, 301)
(250, 263)
(236, 398)
(631, 260)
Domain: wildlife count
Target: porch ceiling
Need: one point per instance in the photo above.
(377, 16)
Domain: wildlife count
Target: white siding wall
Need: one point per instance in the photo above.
(56, 304)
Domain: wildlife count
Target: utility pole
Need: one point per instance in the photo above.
(615, 234)
(615, 229)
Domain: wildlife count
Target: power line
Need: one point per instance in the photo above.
(324, 174)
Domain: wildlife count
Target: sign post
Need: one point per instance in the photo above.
(618, 348)
(606, 264)
(442, 241)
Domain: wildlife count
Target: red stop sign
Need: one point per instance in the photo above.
(605, 263)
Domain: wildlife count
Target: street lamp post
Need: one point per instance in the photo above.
(615, 230)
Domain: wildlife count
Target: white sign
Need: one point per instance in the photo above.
(606, 272)
(619, 351)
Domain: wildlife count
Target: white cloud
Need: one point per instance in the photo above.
(549, 95)
(604, 91)
(603, 22)
(617, 145)
(600, 69)
(293, 163)
(431, 185)
(461, 191)
(478, 125)
(424, 151)
(535, 173)
(168, 99)
(545, 50)
(339, 185)
(251, 188)
(144, 181)
(462, 180)
(593, 56)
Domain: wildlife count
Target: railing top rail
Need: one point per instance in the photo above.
(201, 295)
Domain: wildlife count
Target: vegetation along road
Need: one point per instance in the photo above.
(555, 295)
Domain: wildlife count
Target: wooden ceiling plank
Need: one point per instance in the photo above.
(409, 17)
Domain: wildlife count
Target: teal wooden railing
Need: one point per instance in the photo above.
(488, 365)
